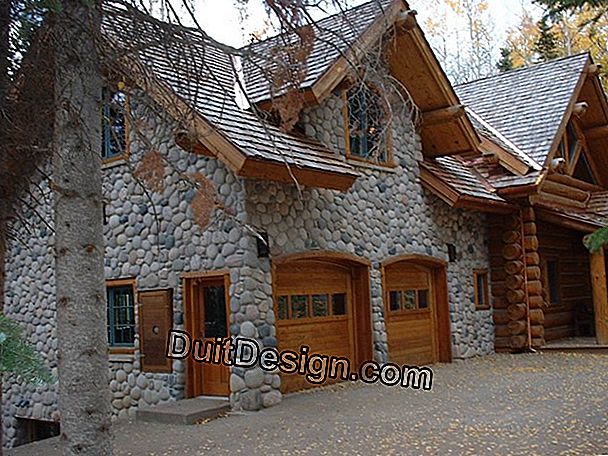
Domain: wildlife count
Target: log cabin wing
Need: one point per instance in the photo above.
(542, 177)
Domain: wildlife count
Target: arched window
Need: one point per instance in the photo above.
(367, 124)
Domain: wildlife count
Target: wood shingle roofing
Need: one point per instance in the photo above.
(172, 61)
(527, 105)
(334, 35)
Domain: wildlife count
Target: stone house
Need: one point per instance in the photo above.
(361, 230)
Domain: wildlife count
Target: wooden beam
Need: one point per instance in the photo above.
(406, 20)
(600, 295)
(580, 109)
(555, 201)
(573, 182)
(594, 68)
(443, 115)
(566, 191)
(597, 132)
(506, 159)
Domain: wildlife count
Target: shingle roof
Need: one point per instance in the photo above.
(528, 105)
(463, 179)
(333, 36)
(203, 76)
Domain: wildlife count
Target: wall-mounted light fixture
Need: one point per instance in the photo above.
(263, 244)
(452, 253)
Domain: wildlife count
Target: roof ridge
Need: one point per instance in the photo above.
(525, 68)
(326, 18)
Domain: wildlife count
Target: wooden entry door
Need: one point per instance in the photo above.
(207, 320)
(410, 309)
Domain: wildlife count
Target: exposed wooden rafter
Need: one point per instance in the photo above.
(443, 115)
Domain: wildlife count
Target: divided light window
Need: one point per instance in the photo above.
(296, 307)
(408, 300)
(121, 316)
(114, 132)
(482, 289)
(367, 124)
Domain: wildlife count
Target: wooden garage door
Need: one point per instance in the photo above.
(410, 314)
(313, 304)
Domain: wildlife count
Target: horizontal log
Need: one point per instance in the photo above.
(535, 288)
(553, 319)
(512, 252)
(501, 317)
(514, 282)
(537, 302)
(499, 289)
(517, 327)
(528, 214)
(502, 331)
(530, 229)
(538, 342)
(502, 342)
(519, 342)
(537, 330)
(516, 296)
(443, 115)
(537, 316)
(516, 312)
(511, 223)
(531, 243)
(533, 273)
(557, 188)
(514, 267)
(559, 332)
(532, 259)
(511, 237)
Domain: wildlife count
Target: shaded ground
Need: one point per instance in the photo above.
(542, 404)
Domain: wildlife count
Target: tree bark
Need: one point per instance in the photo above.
(84, 396)
(5, 20)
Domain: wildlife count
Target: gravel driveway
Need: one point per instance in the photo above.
(540, 404)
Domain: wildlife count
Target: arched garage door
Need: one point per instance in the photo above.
(416, 312)
(323, 304)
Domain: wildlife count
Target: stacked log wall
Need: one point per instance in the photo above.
(575, 289)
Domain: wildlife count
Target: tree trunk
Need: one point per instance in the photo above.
(5, 20)
(84, 395)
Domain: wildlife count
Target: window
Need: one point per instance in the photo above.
(121, 316)
(320, 305)
(113, 129)
(408, 300)
(482, 289)
(551, 280)
(367, 125)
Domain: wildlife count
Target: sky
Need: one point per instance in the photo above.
(221, 18)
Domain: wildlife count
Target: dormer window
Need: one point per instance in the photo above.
(114, 131)
(368, 123)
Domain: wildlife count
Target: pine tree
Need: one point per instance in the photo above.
(546, 46)
(506, 62)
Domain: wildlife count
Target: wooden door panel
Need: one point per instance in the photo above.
(412, 334)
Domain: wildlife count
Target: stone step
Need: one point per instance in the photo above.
(187, 411)
(582, 348)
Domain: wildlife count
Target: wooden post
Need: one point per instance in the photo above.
(600, 295)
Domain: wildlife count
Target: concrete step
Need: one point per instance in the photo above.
(187, 411)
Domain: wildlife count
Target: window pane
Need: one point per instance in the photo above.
(299, 306)
(481, 289)
(121, 316)
(409, 300)
(214, 298)
(553, 278)
(320, 305)
(113, 123)
(339, 304)
(282, 307)
(423, 299)
(395, 301)
(367, 123)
